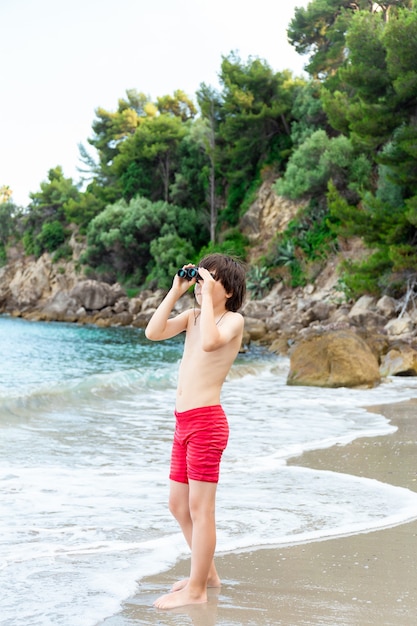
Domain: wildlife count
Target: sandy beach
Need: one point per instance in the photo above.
(358, 580)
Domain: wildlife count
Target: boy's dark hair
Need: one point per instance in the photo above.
(232, 275)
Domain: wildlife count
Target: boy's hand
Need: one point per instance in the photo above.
(208, 281)
(183, 284)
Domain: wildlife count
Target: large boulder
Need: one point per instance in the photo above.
(94, 295)
(60, 307)
(334, 359)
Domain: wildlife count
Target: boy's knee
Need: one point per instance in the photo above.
(178, 508)
(200, 509)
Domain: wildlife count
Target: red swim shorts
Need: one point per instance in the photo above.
(200, 437)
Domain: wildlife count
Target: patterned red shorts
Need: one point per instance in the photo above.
(200, 437)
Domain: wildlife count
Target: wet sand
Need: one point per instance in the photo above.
(358, 580)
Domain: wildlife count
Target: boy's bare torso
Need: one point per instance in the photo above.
(202, 374)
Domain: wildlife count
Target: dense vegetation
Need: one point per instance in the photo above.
(173, 177)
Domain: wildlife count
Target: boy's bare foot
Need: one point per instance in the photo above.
(179, 598)
(211, 582)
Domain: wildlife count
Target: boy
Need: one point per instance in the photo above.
(212, 341)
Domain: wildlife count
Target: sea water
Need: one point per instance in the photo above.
(86, 423)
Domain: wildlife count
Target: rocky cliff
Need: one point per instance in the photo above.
(330, 341)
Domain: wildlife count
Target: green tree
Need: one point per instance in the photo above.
(82, 209)
(320, 30)
(10, 215)
(129, 155)
(255, 125)
(110, 130)
(189, 188)
(308, 113)
(152, 149)
(321, 159)
(370, 96)
(119, 238)
(48, 205)
(210, 104)
(179, 105)
(54, 193)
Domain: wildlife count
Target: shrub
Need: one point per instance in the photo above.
(170, 252)
(258, 281)
(63, 252)
(232, 243)
(52, 235)
(370, 276)
(120, 237)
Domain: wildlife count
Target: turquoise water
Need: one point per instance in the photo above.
(86, 422)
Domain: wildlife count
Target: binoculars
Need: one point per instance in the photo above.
(189, 273)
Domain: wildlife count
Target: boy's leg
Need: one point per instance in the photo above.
(202, 497)
(202, 511)
(179, 505)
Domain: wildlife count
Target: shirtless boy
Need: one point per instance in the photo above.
(212, 341)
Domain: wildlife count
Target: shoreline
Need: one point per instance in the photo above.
(356, 580)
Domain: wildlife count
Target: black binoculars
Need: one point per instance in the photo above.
(189, 273)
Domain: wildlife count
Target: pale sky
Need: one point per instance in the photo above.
(62, 59)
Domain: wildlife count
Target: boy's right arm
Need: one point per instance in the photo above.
(161, 325)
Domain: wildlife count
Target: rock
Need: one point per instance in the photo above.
(306, 317)
(124, 318)
(274, 323)
(365, 303)
(103, 322)
(135, 305)
(142, 318)
(256, 309)
(399, 361)
(280, 346)
(94, 295)
(245, 340)
(153, 301)
(321, 310)
(397, 327)
(269, 214)
(60, 307)
(104, 314)
(186, 302)
(31, 282)
(255, 328)
(386, 306)
(335, 359)
(80, 313)
(363, 313)
(368, 319)
(121, 305)
(377, 341)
